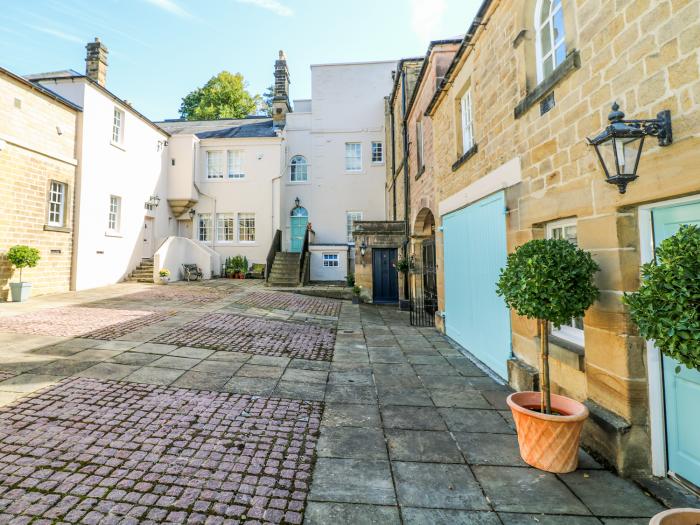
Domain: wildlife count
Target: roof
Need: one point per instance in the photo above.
(41, 89)
(254, 126)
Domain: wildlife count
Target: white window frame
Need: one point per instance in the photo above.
(350, 218)
(554, 45)
(566, 332)
(377, 146)
(467, 116)
(118, 126)
(246, 231)
(114, 218)
(221, 227)
(234, 164)
(204, 227)
(419, 145)
(216, 164)
(331, 260)
(356, 147)
(296, 162)
(57, 203)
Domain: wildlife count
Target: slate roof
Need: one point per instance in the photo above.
(250, 127)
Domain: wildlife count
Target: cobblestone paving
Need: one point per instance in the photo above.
(252, 335)
(182, 294)
(105, 452)
(76, 321)
(291, 301)
(5, 375)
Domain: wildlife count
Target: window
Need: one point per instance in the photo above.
(57, 203)
(419, 144)
(225, 227)
(573, 331)
(353, 156)
(246, 227)
(235, 161)
(298, 169)
(350, 218)
(330, 260)
(204, 227)
(215, 164)
(377, 152)
(115, 211)
(549, 37)
(118, 126)
(467, 122)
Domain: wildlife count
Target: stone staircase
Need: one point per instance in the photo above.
(143, 272)
(285, 270)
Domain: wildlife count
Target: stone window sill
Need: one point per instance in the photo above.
(566, 352)
(61, 229)
(571, 63)
(464, 158)
(117, 145)
(113, 234)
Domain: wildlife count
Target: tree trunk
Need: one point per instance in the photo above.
(546, 403)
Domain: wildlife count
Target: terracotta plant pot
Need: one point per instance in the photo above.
(548, 442)
(677, 517)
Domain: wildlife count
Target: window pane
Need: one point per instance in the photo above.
(204, 227)
(558, 25)
(377, 152)
(353, 156)
(560, 54)
(215, 164)
(298, 171)
(544, 13)
(246, 227)
(225, 227)
(57, 195)
(548, 67)
(235, 170)
(350, 218)
(546, 39)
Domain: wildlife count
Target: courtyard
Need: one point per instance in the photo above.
(229, 402)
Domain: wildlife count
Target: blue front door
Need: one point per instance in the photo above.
(474, 252)
(298, 231)
(681, 385)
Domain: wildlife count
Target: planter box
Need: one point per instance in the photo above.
(20, 291)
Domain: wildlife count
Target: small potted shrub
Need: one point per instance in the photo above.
(356, 291)
(350, 280)
(550, 280)
(164, 275)
(20, 257)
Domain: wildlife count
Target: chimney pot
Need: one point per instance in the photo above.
(280, 100)
(96, 61)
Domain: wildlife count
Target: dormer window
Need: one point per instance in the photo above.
(549, 37)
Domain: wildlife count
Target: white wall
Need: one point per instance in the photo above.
(318, 272)
(176, 251)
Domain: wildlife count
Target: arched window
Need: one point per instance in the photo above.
(298, 169)
(549, 37)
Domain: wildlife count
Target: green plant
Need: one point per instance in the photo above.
(666, 308)
(356, 290)
(403, 265)
(164, 272)
(550, 280)
(350, 279)
(21, 256)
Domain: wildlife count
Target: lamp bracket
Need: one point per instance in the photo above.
(659, 127)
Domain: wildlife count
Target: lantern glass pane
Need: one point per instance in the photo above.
(627, 149)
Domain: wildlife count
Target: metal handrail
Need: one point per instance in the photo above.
(302, 255)
(275, 247)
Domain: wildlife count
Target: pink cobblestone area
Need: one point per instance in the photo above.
(292, 301)
(178, 294)
(94, 451)
(253, 335)
(76, 321)
(5, 375)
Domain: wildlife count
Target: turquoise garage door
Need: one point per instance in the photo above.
(474, 252)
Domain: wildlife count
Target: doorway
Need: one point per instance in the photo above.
(385, 278)
(298, 221)
(147, 237)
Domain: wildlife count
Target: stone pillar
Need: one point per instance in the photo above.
(96, 62)
(280, 100)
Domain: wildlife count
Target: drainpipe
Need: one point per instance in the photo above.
(393, 159)
(406, 188)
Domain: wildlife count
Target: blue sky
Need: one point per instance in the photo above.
(159, 50)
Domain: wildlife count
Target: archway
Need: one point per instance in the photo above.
(423, 286)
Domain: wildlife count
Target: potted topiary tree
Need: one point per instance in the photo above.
(550, 280)
(21, 256)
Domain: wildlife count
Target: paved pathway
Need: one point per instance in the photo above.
(225, 402)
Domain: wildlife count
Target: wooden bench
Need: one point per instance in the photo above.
(192, 272)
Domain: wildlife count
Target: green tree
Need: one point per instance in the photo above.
(21, 256)
(265, 106)
(223, 96)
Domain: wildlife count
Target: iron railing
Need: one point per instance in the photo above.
(303, 255)
(275, 247)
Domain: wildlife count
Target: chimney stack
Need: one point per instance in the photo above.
(96, 62)
(280, 100)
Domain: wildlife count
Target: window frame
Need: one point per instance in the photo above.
(359, 158)
(380, 146)
(118, 127)
(466, 110)
(293, 166)
(61, 204)
(330, 260)
(114, 217)
(222, 168)
(569, 333)
(220, 227)
(204, 226)
(554, 44)
(348, 224)
(245, 216)
(234, 170)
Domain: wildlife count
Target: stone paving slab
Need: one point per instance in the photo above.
(97, 450)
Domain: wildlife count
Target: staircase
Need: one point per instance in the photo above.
(285, 270)
(143, 272)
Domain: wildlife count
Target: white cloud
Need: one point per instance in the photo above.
(58, 34)
(426, 18)
(171, 7)
(271, 5)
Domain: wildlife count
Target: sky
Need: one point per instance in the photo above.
(160, 50)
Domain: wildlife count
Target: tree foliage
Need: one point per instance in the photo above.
(265, 105)
(21, 256)
(223, 96)
(666, 308)
(549, 279)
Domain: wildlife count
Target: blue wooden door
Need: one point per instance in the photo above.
(385, 279)
(681, 385)
(298, 231)
(474, 251)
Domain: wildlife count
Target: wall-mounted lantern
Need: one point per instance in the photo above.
(297, 202)
(152, 202)
(192, 213)
(619, 145)
(363, 248)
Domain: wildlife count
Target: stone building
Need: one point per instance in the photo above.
(528, 84)
(37, 181)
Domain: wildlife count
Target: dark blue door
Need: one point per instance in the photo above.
(385, 279)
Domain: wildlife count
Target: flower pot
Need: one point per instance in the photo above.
(355, 299)
(547, 441)
(164, 280)
(677, 517)
(20, 291)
